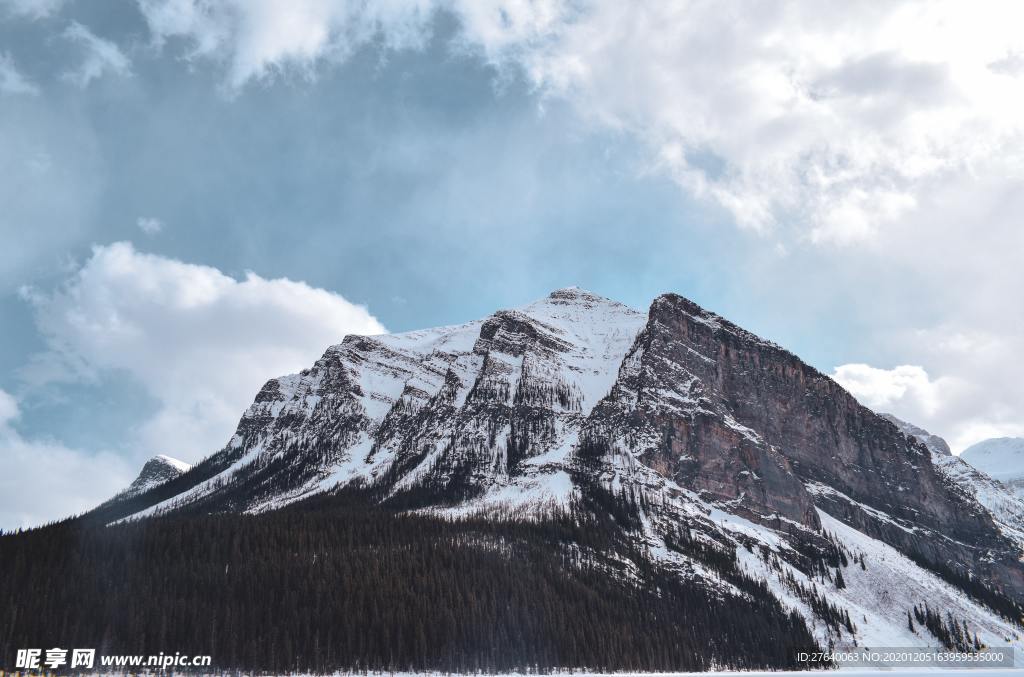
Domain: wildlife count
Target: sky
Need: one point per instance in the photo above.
(198, 196)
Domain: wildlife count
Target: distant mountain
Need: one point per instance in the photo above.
(683, 490)
(1001, 458)
(935, 444)
(155, 472)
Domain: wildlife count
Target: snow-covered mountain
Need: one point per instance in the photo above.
(155, 472)
(697, 436)
(1001, 458)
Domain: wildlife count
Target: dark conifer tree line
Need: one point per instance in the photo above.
(333, 584)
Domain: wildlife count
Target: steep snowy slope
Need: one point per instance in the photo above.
(1001, 458)
(1005, 505)
(710, 447)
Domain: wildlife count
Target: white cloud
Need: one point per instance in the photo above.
(72, 481)
(11, 79)
(149, 225)
(831, 119)
(200, 342)
(965, 407)
(943, 292)
(898, 390)
(99, 56)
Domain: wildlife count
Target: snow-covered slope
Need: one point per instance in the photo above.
(700, 439)
(1001, 458)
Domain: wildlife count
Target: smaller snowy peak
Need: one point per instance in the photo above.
(935, 444)
(174, 463)
(1000, 458)
(157, 470)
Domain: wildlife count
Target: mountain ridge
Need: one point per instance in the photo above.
(677, 418)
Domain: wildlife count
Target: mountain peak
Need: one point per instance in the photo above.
(157, 470)
(163, 460)
(574, 292)
(571, 307)
(577, 295)
(935, 444)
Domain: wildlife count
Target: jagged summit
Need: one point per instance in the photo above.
(935, 444)
(573, 291)
(578, 295)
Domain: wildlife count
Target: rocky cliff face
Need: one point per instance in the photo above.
(860, 467)
(667, 408)
(694, 422)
